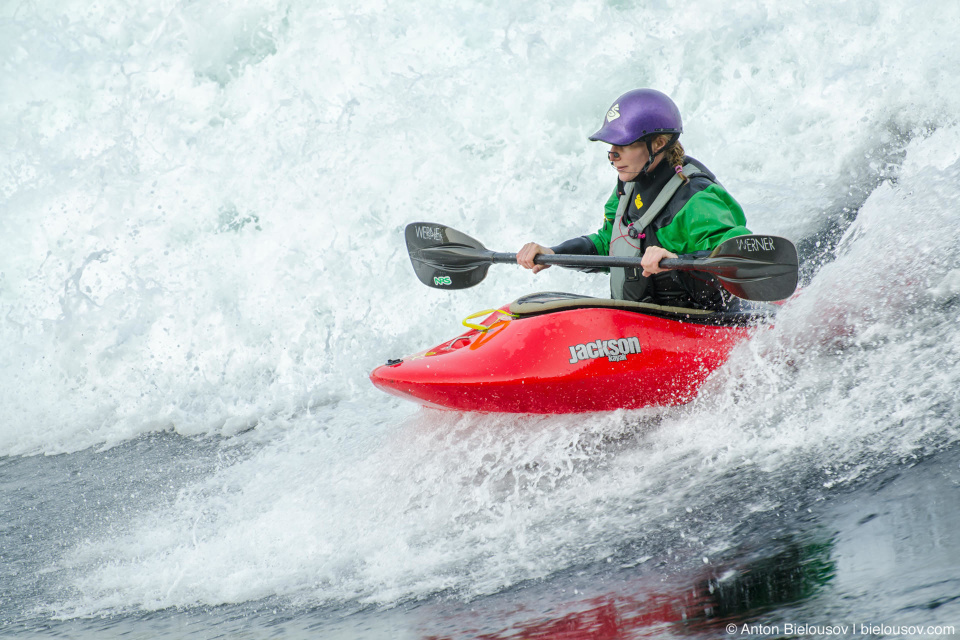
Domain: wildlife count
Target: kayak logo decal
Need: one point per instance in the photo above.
(442, 280)
(614, 350)
(430, 233)
(614, 113)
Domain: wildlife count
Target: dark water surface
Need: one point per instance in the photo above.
(878, 559)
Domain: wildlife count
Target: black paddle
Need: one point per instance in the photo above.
(752, 267)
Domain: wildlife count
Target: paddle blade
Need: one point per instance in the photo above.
(756, 267)
(444, 258)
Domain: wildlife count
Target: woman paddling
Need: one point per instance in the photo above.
(665, 203)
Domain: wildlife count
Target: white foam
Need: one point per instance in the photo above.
(205, 210)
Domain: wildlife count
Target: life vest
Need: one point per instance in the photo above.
(634, 231)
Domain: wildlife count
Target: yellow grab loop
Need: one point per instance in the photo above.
(486, 312)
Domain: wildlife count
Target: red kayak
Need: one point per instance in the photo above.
(562, 353)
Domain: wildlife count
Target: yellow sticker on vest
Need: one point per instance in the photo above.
(638, 202)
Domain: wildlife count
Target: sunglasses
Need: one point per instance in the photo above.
(614, 155)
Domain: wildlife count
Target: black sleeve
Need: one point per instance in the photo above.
(582, 246)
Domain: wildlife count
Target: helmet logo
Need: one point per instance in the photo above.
(614, 113)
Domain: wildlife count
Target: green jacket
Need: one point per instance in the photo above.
(708, 218)
(699, 215)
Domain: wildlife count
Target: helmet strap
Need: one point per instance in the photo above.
(651, 156)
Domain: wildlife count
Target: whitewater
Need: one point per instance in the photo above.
(202, 208)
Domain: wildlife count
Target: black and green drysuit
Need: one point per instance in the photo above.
(659, 209)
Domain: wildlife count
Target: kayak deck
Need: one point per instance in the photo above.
(563, 353)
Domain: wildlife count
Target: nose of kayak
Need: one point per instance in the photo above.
(381, 378)
(403, 383)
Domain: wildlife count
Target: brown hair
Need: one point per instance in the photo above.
(674, 155)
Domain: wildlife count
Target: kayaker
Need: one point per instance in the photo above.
(665, 204)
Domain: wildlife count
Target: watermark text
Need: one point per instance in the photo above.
(846, 629)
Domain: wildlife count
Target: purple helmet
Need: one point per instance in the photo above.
(637, 114)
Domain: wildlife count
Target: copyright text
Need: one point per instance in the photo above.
(791, 629)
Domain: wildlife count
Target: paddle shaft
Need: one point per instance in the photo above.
(732, 268)
(577, 260)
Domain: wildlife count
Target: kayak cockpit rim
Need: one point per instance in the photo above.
(740, 313)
